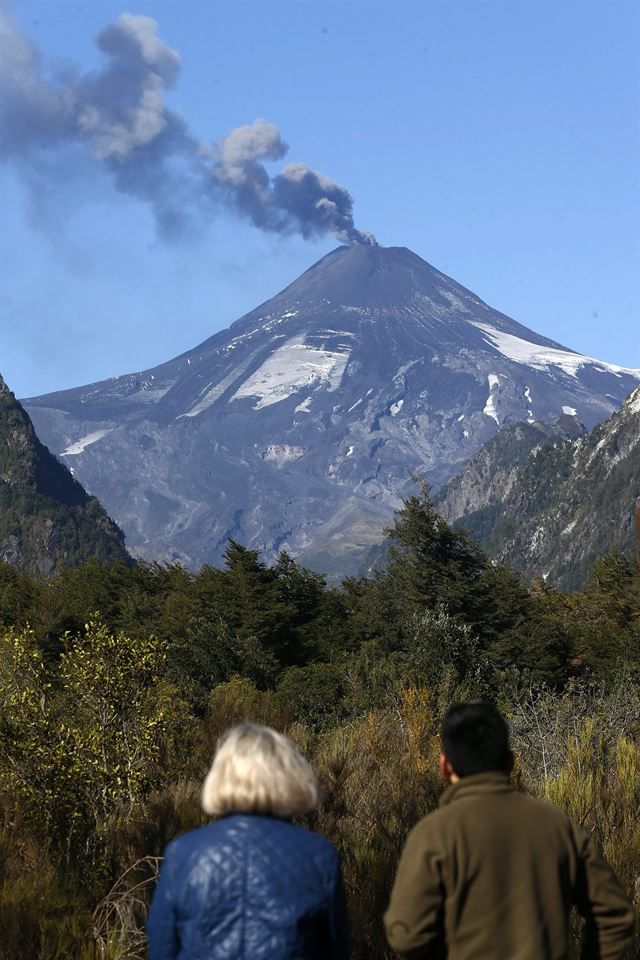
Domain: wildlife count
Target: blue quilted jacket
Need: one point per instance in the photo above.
(249, 888)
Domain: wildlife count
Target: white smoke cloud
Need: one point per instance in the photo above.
(120, 114)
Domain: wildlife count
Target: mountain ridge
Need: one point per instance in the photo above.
(299, 426)
(47, 519)
(553, 506)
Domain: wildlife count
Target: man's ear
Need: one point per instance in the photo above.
(446, 770)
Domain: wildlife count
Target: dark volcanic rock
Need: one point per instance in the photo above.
(298, 427)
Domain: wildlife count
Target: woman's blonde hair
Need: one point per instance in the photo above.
(256, 770)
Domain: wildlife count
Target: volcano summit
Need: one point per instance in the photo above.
(299, 427)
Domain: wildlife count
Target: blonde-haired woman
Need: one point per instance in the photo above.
(252, 885)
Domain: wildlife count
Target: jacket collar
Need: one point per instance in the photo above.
(477, 784)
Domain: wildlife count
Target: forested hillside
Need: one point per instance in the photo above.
(47, 520)
(548, 501)
(115, 682)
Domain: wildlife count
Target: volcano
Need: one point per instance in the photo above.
(300, 426)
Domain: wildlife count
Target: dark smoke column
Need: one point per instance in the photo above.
(120, 115)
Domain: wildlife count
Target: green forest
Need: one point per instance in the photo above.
(116, 680)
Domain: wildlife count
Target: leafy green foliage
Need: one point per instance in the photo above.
(34, 770)
(117, 714)
(314, 693)
(212, 653)
(85, 738)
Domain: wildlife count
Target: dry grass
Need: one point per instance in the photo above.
(378, 775)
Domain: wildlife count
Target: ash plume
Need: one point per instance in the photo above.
(120, 115)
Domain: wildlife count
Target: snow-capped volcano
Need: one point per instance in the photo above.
(299, 427)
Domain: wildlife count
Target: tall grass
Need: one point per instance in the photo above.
(378, 772)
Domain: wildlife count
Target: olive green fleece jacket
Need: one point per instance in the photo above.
(492, 874)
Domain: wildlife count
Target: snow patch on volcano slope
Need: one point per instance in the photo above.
(292, 367)
(79, 446)
(528, 398)
(215, 391)
(491, 406)
(542, 357)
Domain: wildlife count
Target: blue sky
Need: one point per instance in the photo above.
(498, 140)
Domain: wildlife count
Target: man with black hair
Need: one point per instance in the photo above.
(492, 874)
